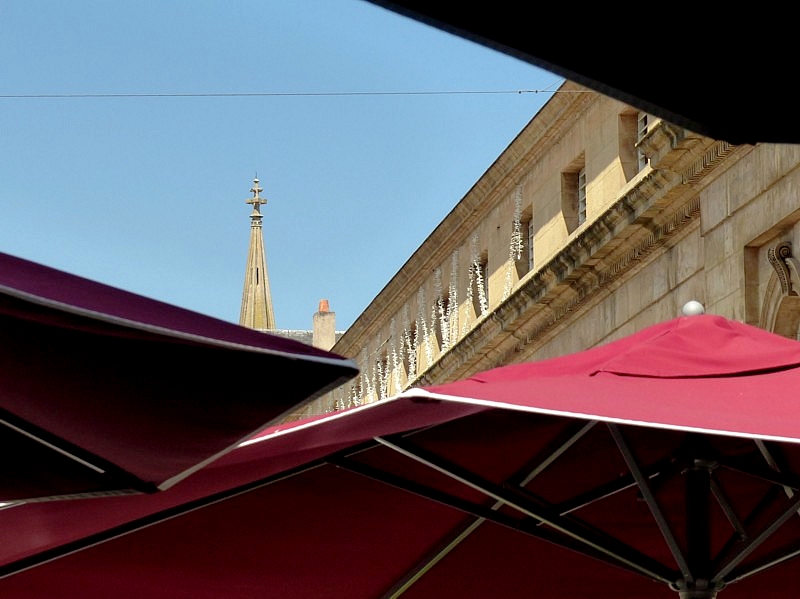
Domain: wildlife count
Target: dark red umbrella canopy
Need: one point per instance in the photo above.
(650, 466)
(105, 391)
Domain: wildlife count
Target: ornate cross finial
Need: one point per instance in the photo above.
(256, 200)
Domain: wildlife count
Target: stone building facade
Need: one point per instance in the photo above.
(596, 221)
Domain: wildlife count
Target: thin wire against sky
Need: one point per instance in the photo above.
(269, 94)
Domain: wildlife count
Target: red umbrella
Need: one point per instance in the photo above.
(104, 391)
(663, 462)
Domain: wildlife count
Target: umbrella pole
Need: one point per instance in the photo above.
(698, 533)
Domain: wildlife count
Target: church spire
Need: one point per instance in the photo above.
(256, 312)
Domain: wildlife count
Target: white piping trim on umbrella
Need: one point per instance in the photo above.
(246, 440)
(292, 427)
(422, 392)
(419, 392)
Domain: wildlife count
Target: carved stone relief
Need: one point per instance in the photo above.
(780, 311)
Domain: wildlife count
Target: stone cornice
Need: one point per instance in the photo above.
(535, 140)
(548, 299)
(657, 211)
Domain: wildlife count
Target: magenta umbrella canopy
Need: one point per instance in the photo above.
(663, 464)
(104, 391)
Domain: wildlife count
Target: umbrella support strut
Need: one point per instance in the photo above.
(695, 565)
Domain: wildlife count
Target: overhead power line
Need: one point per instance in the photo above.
(267, 94)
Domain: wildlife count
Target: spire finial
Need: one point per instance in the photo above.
(256, 311)
(256, 200)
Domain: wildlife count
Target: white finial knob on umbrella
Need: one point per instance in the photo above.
(692, 308)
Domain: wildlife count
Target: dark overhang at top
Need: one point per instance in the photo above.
(716, 70)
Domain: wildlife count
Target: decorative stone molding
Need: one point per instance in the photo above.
(667, 145)
(633, 229)
(546, 301)
(780, 310)
(709, 158)
(780, 257)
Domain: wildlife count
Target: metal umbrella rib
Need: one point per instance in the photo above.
(641, 481)
(582, 536)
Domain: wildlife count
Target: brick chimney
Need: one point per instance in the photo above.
(324, 328)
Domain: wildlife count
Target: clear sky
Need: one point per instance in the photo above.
(130, 132)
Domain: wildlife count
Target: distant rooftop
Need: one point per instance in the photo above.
(298, 335)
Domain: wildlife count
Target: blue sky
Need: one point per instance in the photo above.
(359, 151)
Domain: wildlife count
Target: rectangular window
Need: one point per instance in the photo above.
(442, 323)
(382, 374)
(525, 263)
(484, 268)
(574, 195)
(529, 242)
(641, 132)
(480, 285)
(410, 343)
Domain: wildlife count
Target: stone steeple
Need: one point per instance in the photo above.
(256, 312)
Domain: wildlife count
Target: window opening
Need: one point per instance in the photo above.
(641, 132)
(480, 276)
(573, 194)
(524, 263)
